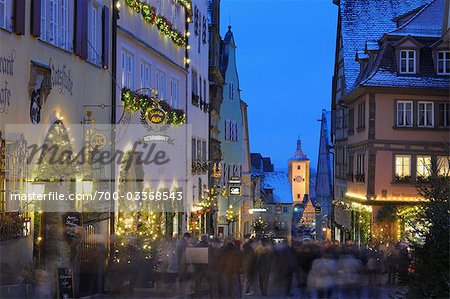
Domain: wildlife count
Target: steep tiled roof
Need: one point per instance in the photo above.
(365, 20)
(278, 181)
(384, 72)
(427, 22)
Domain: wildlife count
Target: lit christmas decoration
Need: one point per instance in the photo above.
(164, 26)
(133, 101)
(230, 215)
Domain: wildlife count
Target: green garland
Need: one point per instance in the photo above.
(134, 101)
(164, 26)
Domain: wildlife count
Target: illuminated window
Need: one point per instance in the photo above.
(402, 166)
(443, 164)
(423, 166)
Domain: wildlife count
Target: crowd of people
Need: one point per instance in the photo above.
(238, 268)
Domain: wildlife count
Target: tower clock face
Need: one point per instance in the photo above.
(298, 179)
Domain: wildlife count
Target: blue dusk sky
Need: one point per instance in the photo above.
(285, 60)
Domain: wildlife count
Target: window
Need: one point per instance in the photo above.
(404, 113)
(351, 121)
(194, 82)
(55, 23)
(443, 62)
(402, 166)
(285, 210)
(361, 115)
(204, 90)
(3, 14)
(231, 90)
(299, 167)
(423, 166)
(95, 33)
(159, 6)
(175, 93)
(127, 69)
(444, 114)
(443, 164)
(200, 87)
(360, 170)
(161, 84)
(146, 75)
(407, 62)
(425, 114)
(227, 129)
(194, 149)
(204, 158)
(174, 15)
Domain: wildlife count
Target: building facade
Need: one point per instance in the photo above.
(152, 87)
(230, 126)
(55, 55)
(198, 106)
(396, 65)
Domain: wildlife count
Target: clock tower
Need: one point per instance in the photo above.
(299, 174)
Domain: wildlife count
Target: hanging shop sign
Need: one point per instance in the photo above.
(235, 190)
(156, 116)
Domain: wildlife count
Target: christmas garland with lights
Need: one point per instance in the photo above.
(134, 101)
(164, 26)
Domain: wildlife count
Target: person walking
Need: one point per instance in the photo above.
(263, 253)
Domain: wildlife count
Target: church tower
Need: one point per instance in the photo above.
(299, 174)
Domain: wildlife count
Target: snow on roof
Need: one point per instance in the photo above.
(361, 55)
(372, 45)
(365, 20)
(278, 181)
(427, 22)
(384, 71)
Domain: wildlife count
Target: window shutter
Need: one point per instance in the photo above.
(81, 28)
(105, 36)
(19, 17)
(36, 18)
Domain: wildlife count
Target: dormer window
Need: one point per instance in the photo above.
(443, 63)
(407, 62)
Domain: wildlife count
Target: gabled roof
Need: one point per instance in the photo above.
(225, 45)
(278, 181)
(405, 39)
(427, 22)
(383, 72)
(365, 20)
